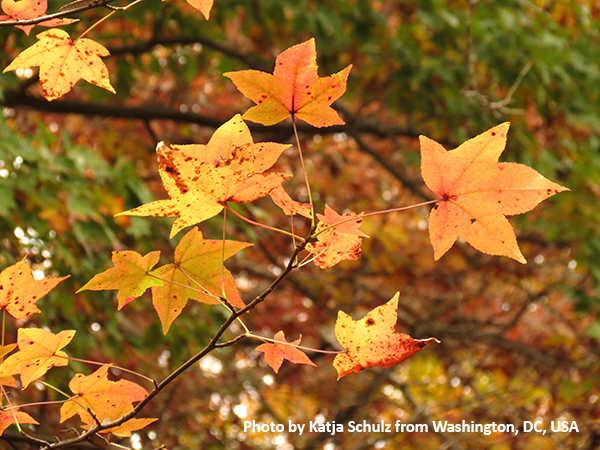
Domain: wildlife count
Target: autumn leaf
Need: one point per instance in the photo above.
(130, 276)
(62, 62)
(201, 179)
(30, 9)
(9, 380)
(12, 416)
(123, 430)
(276, 353)
(290, 207)
(197, 268)
(204, 6)
(338, 243)
(477, 193)
(39, 351)
(294, 89)
(19, 291)
(372, 341)
(107, 400)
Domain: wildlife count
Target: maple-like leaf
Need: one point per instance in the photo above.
(39, 351)
(372, 341)
(9, 380)
(204, 6)
(19, 291)
(30, 9)
(478, 192)
(130, 276)
(294, 89)
(13, 415)
(276, 353)
(338, 243)
(200, 259)
(62, 63)
(107, 400)
(290, 207)
(201, 179)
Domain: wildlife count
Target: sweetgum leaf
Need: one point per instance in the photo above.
(276, 353)
(477, 193)
(294, 89)
(372, 340)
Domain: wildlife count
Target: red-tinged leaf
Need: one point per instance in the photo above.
(62, 63)
(9, 380)
(372, 341)
(12, 416)
(338, 243)
(201, 260)
(107, 400)
(289, 206)
(29, 9)
(477, 193)
(130, 276)
(19, 291)
(123, 430)
(39, 351)
(276, 353)
(204, 6)
(294, 89)
(201, 179)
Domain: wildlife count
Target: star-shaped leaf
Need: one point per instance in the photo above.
(19, 291)
(372, 340)
(477, 193)
(294, 89)
(63, 62)
(30, 9)
(201, 179)
(196, 274)
(107, 400)
(130, 276)
(276, 353)
(12, 416)
(338, 243)
(39, 351)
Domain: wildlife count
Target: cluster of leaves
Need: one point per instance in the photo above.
(474, 191)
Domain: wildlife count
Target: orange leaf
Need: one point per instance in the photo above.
(9, 417)
(107, 400)
(123, 430)
(289, 206)
(129, 276)
(478, 192)
(276, 353)
(201, 260)
(204, 6)
(372, 341)
(201, 179)
(293, 89)
(39, 351)
(19, 291)
(30, 9)
(62, 62)
(339, 243)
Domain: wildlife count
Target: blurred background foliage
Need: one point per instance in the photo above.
(519, 342)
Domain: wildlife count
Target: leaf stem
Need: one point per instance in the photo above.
(386, 211)
(310, 200)
(301, 347)
(252, 222)
(114, 10)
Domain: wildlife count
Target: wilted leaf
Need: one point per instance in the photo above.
(338, 243)
(294, 89)
(372, 341)
(478, 192)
